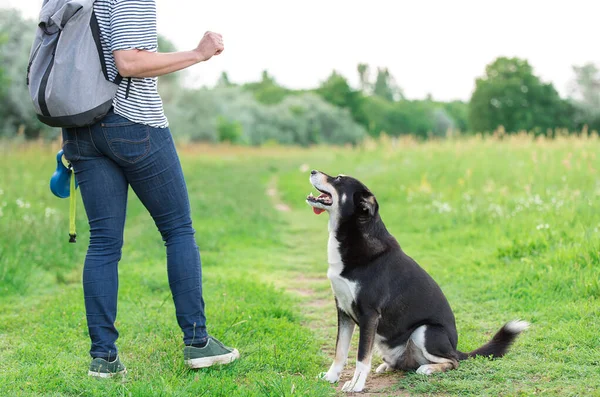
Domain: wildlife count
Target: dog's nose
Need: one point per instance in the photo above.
(313, 172)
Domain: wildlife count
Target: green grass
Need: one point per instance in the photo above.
(509, 229)
(43, 335)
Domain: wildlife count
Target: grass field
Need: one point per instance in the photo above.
(509, 229)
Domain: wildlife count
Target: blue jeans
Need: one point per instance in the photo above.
(108, 157)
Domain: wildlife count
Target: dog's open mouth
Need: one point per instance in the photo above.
(323, 199)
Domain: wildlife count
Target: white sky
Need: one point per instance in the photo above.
(429, 46)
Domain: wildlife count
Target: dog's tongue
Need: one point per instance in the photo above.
(318, 210)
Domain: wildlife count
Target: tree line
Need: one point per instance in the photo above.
(507, 95)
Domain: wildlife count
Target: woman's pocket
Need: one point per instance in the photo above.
(70, 146)
(127, 140)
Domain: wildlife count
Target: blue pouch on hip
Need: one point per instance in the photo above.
(61, 179)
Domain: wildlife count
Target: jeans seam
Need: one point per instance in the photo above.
(76, 143)
(123, 124)
(129, 140)
(92, 140)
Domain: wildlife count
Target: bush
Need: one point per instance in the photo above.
(422, 118)
(229, 131)
(233, 114)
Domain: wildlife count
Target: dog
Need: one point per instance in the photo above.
(399, 309)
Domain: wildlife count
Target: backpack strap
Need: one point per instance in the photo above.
(95, 28)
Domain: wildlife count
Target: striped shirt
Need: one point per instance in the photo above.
(126, 25)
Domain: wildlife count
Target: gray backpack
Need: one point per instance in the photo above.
(67, 77)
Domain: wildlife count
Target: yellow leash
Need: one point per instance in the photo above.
(72, 209)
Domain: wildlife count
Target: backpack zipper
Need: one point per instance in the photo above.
(31, 61)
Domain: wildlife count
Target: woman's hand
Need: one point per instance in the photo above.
(210, 45)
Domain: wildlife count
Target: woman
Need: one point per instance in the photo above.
(132, 146)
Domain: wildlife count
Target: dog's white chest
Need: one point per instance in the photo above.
(344, 290)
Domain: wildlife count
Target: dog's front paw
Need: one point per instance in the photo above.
(352, 386)
(359, 379)
(330, 376)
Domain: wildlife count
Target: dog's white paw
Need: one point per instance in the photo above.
(330, 376)
(383, 368)
(425, 369)
(353, 386)
(359, 379)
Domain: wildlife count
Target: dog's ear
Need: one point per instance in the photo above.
(366, 204)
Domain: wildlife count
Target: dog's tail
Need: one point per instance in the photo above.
(500, 343)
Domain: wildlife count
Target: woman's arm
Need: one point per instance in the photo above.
(139, 63)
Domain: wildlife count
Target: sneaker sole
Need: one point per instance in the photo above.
(205, 362)
(106, 374)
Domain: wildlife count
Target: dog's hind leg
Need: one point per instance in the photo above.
(429, 369)
(383, 368)
(438, 353)
(368, 328)
(342, 346)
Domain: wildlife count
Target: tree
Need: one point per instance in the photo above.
(267, 91)
(386, 87)
(16, 109)
(3, 77)
(336, 91)
(405, 117)
(510, 95)
(224, 80)
(363, 74)
(585, 96)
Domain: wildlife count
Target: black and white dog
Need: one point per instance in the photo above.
(398, 307)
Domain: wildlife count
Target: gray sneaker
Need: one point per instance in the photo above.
(104, 369)
(213, 353)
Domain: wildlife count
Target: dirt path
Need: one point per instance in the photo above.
(306, 277)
